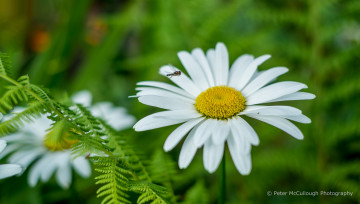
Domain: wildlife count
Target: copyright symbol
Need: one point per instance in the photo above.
(269, 193)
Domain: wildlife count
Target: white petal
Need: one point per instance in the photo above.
(82, 166)
(239, 138)
(63, 174)
(82, 97)
(26, 158)
(282, 124)
(247, 131)
(221, 132)
(262, 79)
(188, 150)
(38, 127)
(182, 81)
(157, 120)
(193, 68)
(221, 64)
(271, 110)
(212, 155)
(52, 165)
(161, 92)
(15, 137)
(298, 118)
(249, 71)
(200, 57)
(238, 67)
(294, 97)
(10, 148)
(242, 161)
(178, 114)
(2, 145)
(149, 123)
(210, 56)
(37, 168)
(7, 170)
(204, 131)
(174, 138)
(166, 102)
(16, 156)
(166, 86)
(274, 91)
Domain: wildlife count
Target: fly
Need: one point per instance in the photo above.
(174, 73)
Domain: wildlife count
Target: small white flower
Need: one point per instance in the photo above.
(212, 102)
(114, 116)
(31, 144)
(7, 170)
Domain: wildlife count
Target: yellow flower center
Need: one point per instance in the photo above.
(59, 143)
(220, 102)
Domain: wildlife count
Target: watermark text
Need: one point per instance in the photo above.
(309, 193)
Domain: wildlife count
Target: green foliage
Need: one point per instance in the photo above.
(150, 192)
(197, 194)
(90, 133)
(113, 179)
(33, 111)
(121, 170)
(5, 64)
(13, 96)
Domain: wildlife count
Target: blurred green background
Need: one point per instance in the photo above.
(107, 46)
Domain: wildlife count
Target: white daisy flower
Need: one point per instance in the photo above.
(213, 101)
(31, 144)
(7, 170)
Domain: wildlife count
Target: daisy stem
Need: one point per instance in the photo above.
(222, 182)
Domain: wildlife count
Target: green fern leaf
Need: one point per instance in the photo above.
(5, 64)
(150, 192)
(89, 134)
(13, 96)
(34, 110)
(114, 179)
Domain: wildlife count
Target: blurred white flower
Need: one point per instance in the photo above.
(114, 116)
(212, 103)
(32, 144)
(7, 170)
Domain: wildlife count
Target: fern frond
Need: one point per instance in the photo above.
(5, 64)
(13, 96)
(34, 110)
(114, 179)
(91, 132)
(150, 192)
(122, 148)
(142, 182)
(88, 123)
(163, 169)
(87, 144)
(43, 94)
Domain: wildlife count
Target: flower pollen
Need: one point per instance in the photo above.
(220, 102)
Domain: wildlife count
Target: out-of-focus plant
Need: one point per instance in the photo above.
(121, 170)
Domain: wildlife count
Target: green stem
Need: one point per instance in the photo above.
(222, 182)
